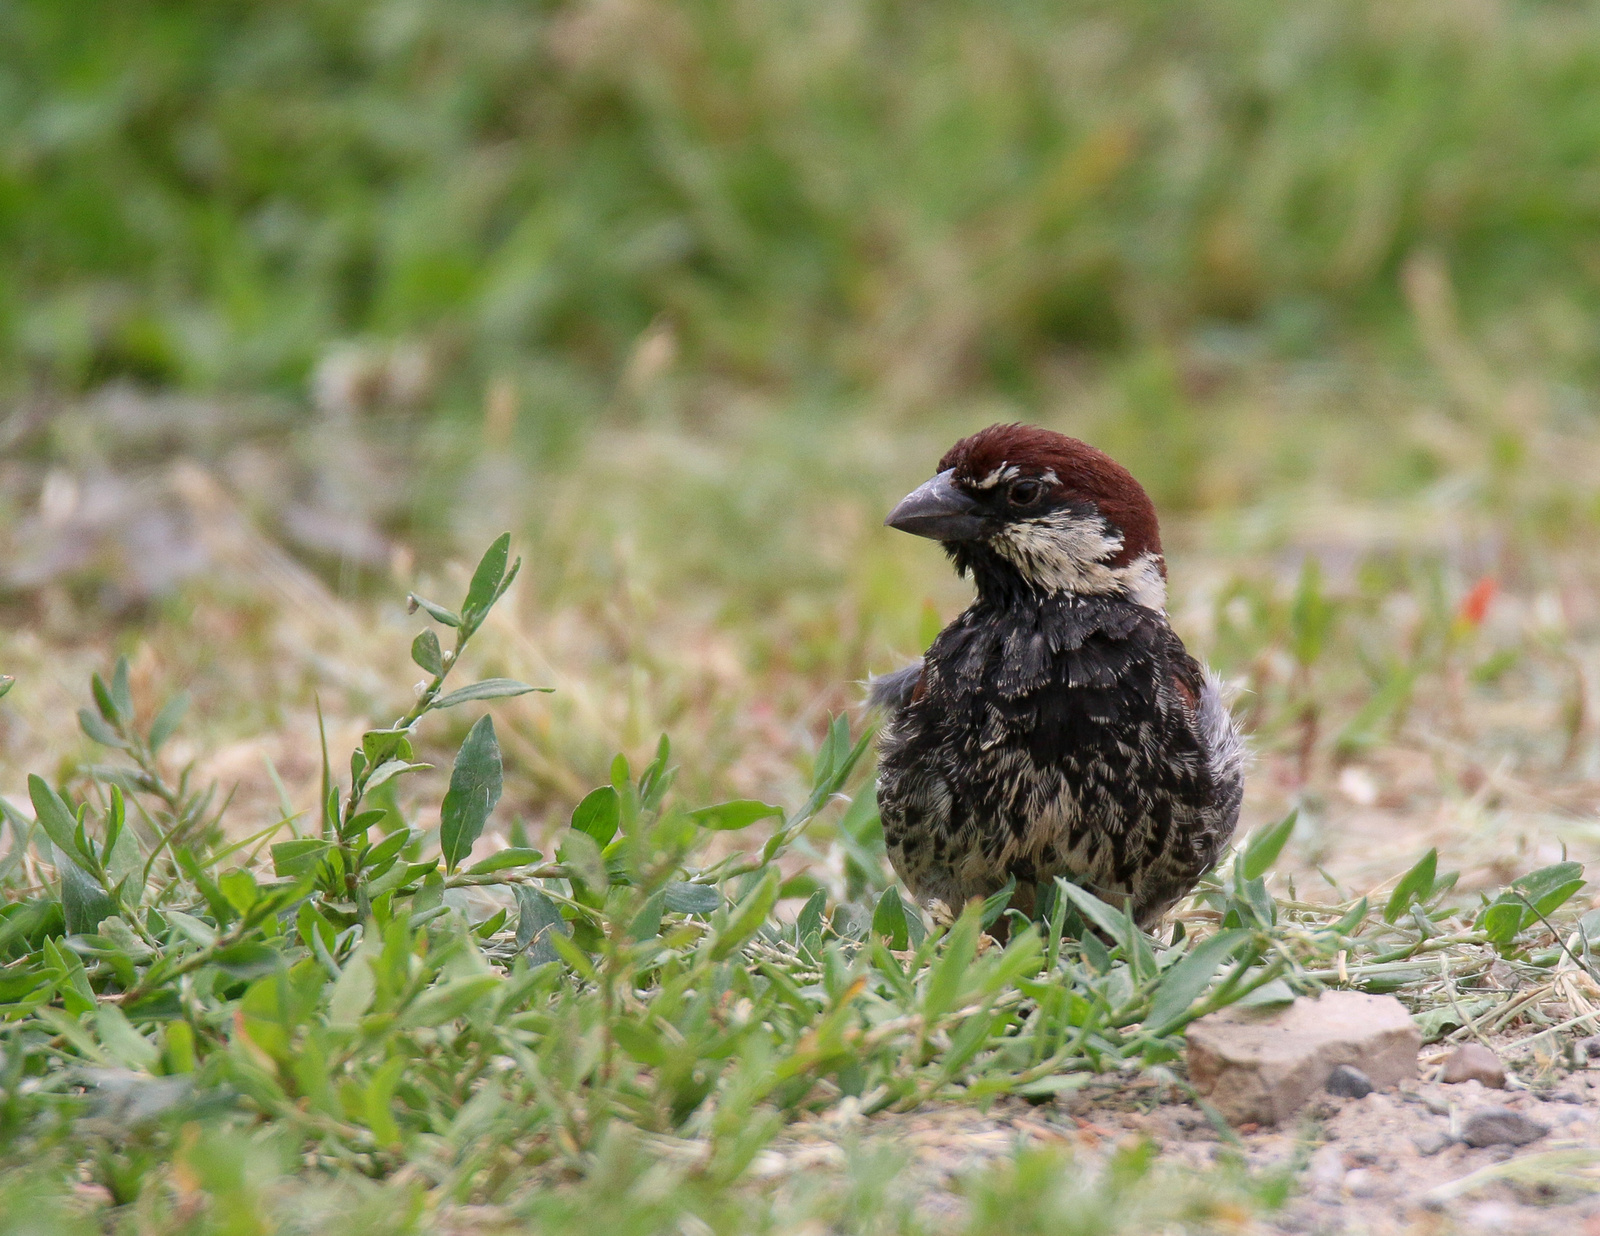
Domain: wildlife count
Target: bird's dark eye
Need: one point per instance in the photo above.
(1025, 493)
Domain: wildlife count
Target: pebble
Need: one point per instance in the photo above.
(1435, 1102)
(1326, 1169)
(1297, 1217)
(1501, 1126)
(1348, 1082)
(1431, 1141)
(1491, 1217)
(1362, 1182)
(1474, 1062)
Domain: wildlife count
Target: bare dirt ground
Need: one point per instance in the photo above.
(1378, 1166)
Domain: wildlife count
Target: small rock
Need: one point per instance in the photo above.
(1295, 1220)
(1566, 1096)
(1435, 1102)
(1491, 1217)
(1348, 1082)
(1587, 1051)
(1431, 1141)
(1194, 1126)
(1261, 1065)
(1474, 1062)
(1501, 1126)
(1326, 1169)
(94, 1195)
(1362, 1182)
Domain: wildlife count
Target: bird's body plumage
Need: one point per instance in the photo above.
(1058, 726)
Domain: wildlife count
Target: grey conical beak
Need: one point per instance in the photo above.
(938, 510)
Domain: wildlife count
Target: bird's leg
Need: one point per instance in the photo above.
(1026, 897)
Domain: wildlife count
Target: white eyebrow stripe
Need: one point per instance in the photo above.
(1002, 472)
(1050, 477)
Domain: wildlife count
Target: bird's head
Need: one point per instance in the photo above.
(1028, 510)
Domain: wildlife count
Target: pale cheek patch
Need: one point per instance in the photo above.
(1062, 553)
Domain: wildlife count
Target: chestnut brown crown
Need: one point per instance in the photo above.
(1081, 473)
(1026, 510)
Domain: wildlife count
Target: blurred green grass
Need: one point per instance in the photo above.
(688, 293)
(850, 197)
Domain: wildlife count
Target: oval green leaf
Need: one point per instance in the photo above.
(488, 689)
(1183, 982)
(889, 920)
(701, 899)
(599, 814)
(740, 813)
(486, 579)
(1265, 846)
(475, 786)
(425, 652)
(1415, 884)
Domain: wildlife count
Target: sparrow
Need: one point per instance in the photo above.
(1058, 727)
